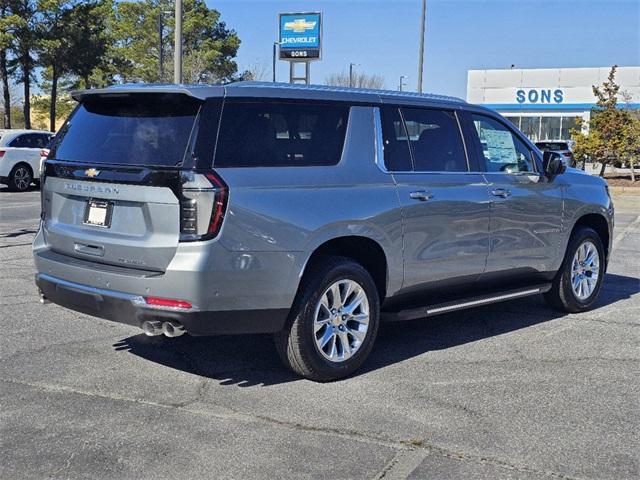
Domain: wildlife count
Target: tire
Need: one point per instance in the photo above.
(20, 178)
(311, 322)
(562, 295)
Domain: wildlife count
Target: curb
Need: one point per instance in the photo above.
(629, 190)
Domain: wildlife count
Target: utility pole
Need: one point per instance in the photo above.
(402, 84)
(160, 46)
(275, 52)
(177, 49)
(351, 65)
(421, 53)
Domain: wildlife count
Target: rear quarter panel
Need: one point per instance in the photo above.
(296, 209)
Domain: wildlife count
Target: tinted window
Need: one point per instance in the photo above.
(435, 140)
(272, 134)
(135, 129)
(23, 141)
(42, 140)
(397, 157)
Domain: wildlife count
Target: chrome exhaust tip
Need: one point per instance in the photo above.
(43, 300)
(152, 328)
(173, 329)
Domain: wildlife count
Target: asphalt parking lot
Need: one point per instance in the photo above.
(510, 391)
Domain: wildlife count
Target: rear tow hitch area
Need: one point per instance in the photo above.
(170, 328)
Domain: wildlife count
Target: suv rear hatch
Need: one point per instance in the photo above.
(120, 186)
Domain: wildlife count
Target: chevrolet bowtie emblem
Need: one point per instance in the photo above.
(299, 25)
(92, 172)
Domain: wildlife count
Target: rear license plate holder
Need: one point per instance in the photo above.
(98, 213)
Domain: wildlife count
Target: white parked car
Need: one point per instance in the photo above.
(20, 152)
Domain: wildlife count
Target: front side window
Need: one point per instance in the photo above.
(435, 140)
(270, 134)
(502, 151)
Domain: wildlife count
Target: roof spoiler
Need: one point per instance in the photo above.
(80, 95)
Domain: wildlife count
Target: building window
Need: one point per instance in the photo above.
(514, 120)
(567, 124)
(530, 126)
(550, 128)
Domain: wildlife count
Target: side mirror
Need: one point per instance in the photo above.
(553, 163)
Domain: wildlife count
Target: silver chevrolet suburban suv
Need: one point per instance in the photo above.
(313, 213)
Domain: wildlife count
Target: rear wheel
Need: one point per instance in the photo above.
(333, 322)
(20, 178)
(578, 282)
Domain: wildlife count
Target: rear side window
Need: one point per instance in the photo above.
(435, 140)
(136, 129)
(397, 157)
(23, 141)
(270, 134)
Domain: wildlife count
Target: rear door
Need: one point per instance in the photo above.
(444, 204)
(526, 205)
(111, 190)
(24, 149)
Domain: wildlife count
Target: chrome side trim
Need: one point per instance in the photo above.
(497, 298)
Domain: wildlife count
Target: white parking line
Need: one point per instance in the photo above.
(22, 205)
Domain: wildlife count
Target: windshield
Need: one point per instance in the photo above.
(137, 129)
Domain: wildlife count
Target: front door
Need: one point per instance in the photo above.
(526, 205)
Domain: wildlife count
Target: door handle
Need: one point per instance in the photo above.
(500, 192)
(421, 195)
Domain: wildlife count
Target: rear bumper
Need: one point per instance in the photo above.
(132, 310)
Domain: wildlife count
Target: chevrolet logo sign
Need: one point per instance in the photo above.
(299, 25)
(92, 172)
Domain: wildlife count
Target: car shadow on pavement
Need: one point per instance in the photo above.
(251, 360)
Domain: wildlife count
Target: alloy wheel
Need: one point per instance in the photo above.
(341, 320)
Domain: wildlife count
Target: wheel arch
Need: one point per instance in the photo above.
(364, 250)
(599, 224)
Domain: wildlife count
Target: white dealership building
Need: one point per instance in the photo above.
(545, 102)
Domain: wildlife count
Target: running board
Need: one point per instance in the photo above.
(463, 303)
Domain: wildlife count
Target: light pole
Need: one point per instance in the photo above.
(177, 49)
(402, 84)
(161, 42)
(275, 52)
(421, 52)
(351, 65)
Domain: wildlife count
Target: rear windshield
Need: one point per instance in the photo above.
(135, 129)
(270, 134)
(552, 146)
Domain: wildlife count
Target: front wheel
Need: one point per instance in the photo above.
(578, 282)
(333, 322)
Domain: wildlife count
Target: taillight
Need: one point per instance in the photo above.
(2, 153)
(202, 206)
(567, 154)
(160, 302)
(44, 152)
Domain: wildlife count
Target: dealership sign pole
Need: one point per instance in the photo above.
(300, 39)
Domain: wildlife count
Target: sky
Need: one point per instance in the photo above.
(382, 37)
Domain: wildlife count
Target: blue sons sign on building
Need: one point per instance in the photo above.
(300, 36)
(540, 95)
